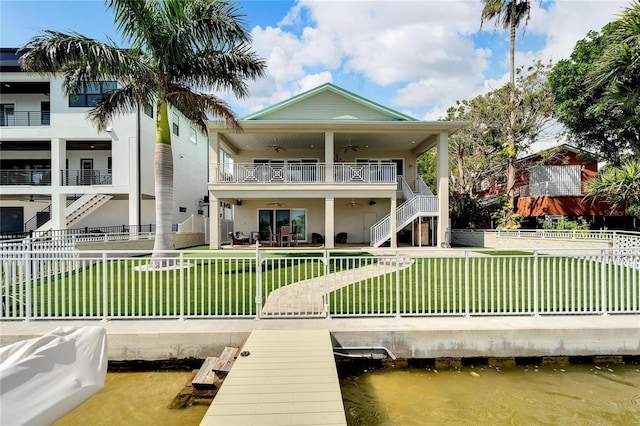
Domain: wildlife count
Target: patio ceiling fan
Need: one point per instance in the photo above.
(276, 203)
(31, 199)
(353, 203)
(351, 147)
(276, 147)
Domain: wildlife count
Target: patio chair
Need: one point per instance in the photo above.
(341, 238)
(238, 239)
(294, 235)
(273, 238)
(285, 236)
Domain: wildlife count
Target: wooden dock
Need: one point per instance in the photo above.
(282, 377)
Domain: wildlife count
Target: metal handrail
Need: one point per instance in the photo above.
(25, 118)
(38, 177)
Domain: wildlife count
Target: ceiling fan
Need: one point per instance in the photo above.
(277, 147)
(276, 203)
(353, 203)
(33, 200)
(351, 147)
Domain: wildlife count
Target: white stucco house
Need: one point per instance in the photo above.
(327, 163)
(58, 172)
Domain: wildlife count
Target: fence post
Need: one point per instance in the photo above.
(466, 284)
(603, 283)
(325, 296)
(181, 269)
(536, 309)
(258, 283)
(29, 259)
(397, 284)
(105, 293)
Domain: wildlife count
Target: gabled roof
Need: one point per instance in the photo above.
(328, 102)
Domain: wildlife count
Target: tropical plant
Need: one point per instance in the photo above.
(179, 49)
(619, 186)
(618, 69)
(596, 89)
(509, 14)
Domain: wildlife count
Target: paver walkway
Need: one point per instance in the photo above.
(307, 297)
(287, 377)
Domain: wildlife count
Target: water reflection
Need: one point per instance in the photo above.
(137, 398)
(549, 395)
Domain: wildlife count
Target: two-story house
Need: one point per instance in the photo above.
(58, 172)
(333, 167)
(550, 185)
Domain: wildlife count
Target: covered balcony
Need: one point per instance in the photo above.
(25, 104)
(297, 173)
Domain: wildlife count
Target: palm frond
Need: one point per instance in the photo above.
(120, 101)
(197, 107)
(136, 19)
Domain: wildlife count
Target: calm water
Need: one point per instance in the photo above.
(550, 395)
(137, 398)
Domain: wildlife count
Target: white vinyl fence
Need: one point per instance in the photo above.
(273, 284)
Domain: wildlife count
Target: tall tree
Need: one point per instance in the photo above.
(596, 89)
(509, 14)
(181, 51)
(476, 152)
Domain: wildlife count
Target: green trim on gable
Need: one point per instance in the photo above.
(328, 87)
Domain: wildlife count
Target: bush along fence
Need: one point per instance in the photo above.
(275, 284)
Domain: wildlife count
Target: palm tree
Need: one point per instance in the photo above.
(619, 186)
(178, 49)
(509, 14)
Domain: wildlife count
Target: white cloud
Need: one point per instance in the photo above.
(427, 51)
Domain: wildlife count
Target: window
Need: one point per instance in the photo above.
(176, 124)
(192, 135)
(276, 218)
(109, 165)
(501, 180)
(148, 110)
(183, 209)
(90, 93)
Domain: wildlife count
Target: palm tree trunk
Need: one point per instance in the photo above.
(511, 140)
(163, 173)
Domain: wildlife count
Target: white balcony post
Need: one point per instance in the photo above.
(393, 222)
(443, 187)
(328, 156)
(214, 223)
(58, 214)
(329, 214)
(214, 148)
(58, 161)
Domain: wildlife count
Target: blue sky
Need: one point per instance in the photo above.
(417, 57)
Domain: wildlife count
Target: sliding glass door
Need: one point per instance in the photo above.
(275, 218)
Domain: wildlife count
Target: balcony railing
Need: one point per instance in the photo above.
(552, 189)
(40, 177)
(25, 118)
(85, 177)
(305, 173)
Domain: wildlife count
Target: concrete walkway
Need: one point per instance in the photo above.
(307, 296)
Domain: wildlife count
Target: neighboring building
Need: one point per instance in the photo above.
(58, 172)
(329, 162)
(550, 185)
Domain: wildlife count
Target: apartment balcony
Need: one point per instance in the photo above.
(31, 177)
(296, 173)
(85, 177)
(552, 189)
(25, 118)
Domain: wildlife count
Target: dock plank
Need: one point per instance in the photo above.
(288, 378)
(206, 377)
(226, 359)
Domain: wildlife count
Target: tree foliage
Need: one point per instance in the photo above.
(596, 89)
(620, 186)
(480, 150)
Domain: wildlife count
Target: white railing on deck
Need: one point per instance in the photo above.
(298, 173)
(261, 283)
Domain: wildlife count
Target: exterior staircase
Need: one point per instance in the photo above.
(80, 208)
(417, 203)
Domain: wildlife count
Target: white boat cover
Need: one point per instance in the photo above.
(43, 379)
